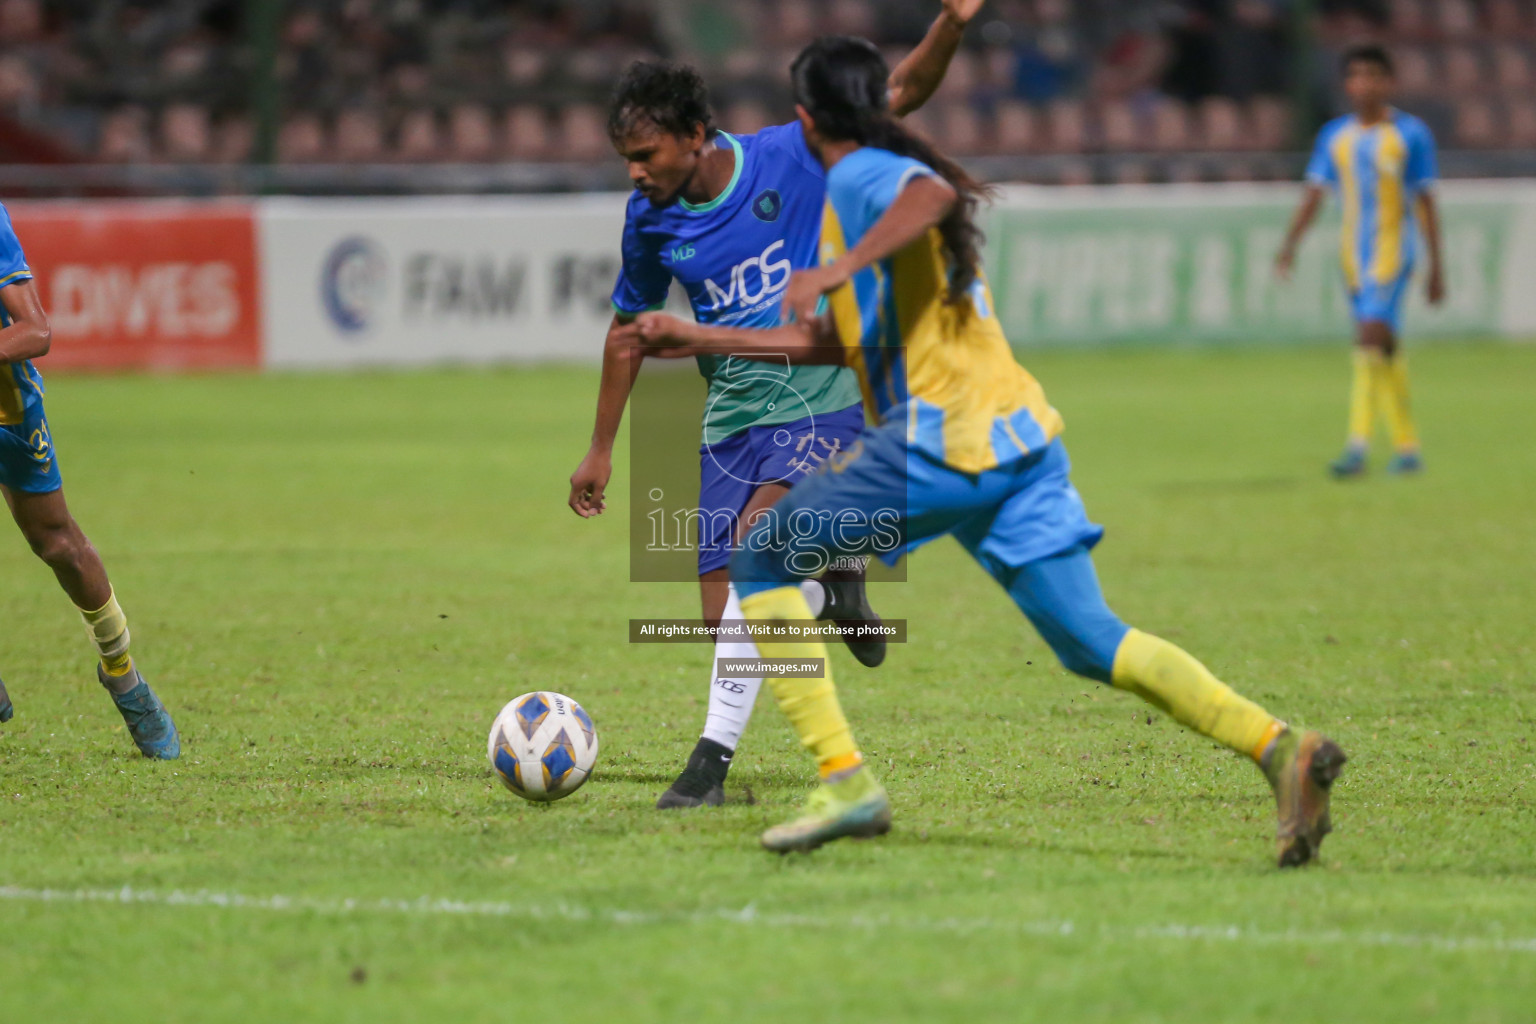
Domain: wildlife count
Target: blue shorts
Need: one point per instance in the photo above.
(27, 460)
(884, 498)
(1023, 521)
(731, 469)
(1377, 302)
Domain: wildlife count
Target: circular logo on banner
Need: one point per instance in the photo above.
(767, 205)
(352, 283)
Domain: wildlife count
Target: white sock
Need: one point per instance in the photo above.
(815, 595)
(731, 697)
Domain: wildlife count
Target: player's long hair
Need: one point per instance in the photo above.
(842, 82)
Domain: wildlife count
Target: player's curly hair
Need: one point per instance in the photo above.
(670, 96)
(842, 82)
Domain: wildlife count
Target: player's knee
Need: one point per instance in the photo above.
(58, 544)
(1377, 334)
(1089, 648)
(1086, 662)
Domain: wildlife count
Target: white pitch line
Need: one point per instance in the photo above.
(751, 916)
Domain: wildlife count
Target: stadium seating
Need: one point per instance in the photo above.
(489, 81)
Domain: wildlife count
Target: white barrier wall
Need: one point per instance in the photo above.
(400, 282)
(415, 281)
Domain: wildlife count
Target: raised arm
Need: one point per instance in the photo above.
(1305, 214)
(621, 363)
(28, 336)
(920, 205)
(913, 81)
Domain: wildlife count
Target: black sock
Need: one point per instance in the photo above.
(707, 768)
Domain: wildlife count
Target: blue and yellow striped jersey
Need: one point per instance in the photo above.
(19, 382)
(1378, 172)
(945, 370)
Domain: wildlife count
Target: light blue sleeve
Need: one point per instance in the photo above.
(643, 280)
(13, 262)
(1321, 169)
(871, 181)
(1421, 169)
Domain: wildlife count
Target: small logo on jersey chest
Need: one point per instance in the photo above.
(682, 252)
(767, 205)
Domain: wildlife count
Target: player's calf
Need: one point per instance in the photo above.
(6, 711)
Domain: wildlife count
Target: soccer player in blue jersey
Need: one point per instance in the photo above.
(1381, 162)
(730, 218)
(34, 491)
(966, 444)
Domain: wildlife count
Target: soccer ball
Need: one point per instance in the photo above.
(543, 746)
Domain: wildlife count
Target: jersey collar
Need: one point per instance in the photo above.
(729, 188)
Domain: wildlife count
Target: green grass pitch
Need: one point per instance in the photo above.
(336, 581)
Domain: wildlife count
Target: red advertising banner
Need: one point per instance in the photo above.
(145, 285)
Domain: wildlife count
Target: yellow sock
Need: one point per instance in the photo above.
(1167, 677)
(1363, 397)
(1393, 387)
(108, 627)
(810, 704)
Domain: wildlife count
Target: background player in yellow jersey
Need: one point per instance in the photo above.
(1381, 162)
(34, 491)
(964, 443)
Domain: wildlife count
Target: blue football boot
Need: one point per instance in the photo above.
(1350, 464)
(1405, 464)
(6, 711)
(148, 722)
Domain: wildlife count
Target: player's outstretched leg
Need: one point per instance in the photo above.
(57, 539)
(1062, 598)
(6, 711)
(849, 802)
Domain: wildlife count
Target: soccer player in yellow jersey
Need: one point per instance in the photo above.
(964, 443)
(1381, 162)
(34, 492)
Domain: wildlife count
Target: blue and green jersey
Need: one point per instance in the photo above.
(733, 256)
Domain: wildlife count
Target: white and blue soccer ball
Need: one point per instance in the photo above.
(543, 746)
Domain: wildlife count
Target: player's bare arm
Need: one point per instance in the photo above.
(621, 364)
(921, 205)
(29, 335)
(914, 80)
(1429, 217)
(812, 341)
(1305, 214)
